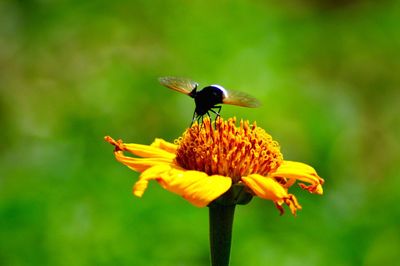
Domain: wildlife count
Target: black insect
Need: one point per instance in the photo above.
(209, 97)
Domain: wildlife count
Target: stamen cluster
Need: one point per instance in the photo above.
(222, 148)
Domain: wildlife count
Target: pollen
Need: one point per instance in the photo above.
(223, 148)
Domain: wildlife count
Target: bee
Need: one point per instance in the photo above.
(208, 99)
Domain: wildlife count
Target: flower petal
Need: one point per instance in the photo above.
(265, 187)
(200, 189)
(140, 164)
(302, 172)
(268, 188)
(164, 145)
(151, 173)
(147, 151)
(196, 187)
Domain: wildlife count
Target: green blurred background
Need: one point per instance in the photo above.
(327, 72)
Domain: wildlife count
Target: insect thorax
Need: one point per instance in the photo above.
(207, 98)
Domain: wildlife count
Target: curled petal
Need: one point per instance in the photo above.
(196, 187)
(140, 150)
(300, 171)
(268, 188)
(119, 145)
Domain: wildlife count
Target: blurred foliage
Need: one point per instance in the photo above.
(71, 72)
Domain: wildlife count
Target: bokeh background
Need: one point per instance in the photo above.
(71, 72)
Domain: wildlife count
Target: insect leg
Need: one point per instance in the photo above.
(200, 122)
(193, 118)
(199, 119)
(216, 112)
(208, 114)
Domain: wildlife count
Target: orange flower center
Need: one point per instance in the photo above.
(222, 148)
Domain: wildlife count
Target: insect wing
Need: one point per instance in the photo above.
(241, 99)
(182, 85)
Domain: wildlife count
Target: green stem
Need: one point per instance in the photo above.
(221, 220)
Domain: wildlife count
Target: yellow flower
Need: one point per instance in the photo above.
(210, 159)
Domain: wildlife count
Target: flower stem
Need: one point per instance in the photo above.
(221, 220)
